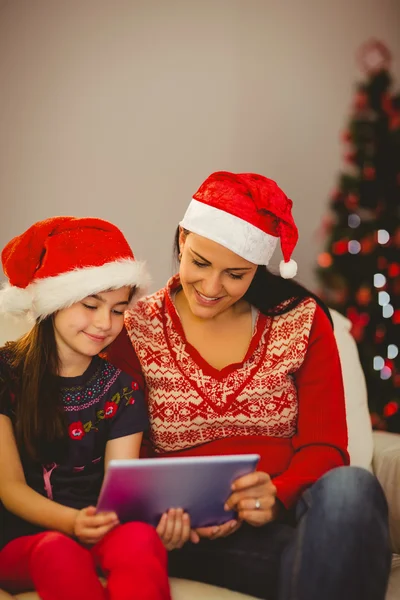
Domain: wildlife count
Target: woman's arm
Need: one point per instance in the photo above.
(320, 443)
(22, 500)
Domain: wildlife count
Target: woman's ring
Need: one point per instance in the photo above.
(258, 504)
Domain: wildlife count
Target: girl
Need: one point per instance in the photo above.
(65, 413)
(234, 360)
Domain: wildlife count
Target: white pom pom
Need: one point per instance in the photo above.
(288, 269)
(14, 300)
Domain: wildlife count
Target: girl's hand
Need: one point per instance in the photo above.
(90, 527)
(174, 528)
(215, 531)
(254, 499)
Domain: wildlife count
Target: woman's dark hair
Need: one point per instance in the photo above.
(39, 421)
(269, 293)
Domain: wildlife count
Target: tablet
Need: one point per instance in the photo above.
(143, 489)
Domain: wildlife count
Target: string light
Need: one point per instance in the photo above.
(383, 236)
(379, 363)
(386, 373)
(392, 351)
(379, 280)
(383, 298)
(387, 311)
(353, 221)
(354, 247)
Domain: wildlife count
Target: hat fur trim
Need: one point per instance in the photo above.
(46, 296)
(239, 236)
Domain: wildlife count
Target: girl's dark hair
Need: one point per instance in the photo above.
(269, 293)
(39, 421)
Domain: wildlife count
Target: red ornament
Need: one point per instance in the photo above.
(350, 157)
(340, 247)
(390, 409)
(363, 296)
(382, 263)
(396, 317)
(351, 201)
(360, 101)
(346, 136)
(369, 173)
(376, 420)
(359, 320)
(394, 270)
(396, 286)
(394, 122)
(380, 334)
(368, 244)
(387, 104)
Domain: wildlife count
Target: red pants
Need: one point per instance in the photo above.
(131, 556)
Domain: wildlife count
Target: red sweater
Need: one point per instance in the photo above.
(285, 401)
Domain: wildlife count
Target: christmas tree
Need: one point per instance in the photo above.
(359, 271)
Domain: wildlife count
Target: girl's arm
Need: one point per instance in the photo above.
(123, 447)
(22, 500)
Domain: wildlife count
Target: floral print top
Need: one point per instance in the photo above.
(102, 404)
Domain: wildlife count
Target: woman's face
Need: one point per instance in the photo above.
(213, 278)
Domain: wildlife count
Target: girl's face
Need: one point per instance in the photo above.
(85, 328)
(213, 278)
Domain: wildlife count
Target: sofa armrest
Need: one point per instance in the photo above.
(386, 464)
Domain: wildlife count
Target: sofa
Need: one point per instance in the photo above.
(376, 451)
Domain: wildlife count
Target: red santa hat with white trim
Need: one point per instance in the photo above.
(61, 260)
(246, 213)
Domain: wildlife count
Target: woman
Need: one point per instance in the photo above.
(235, 360)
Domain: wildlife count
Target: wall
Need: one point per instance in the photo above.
(120, 109)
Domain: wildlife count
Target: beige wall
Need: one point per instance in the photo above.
(120, 108)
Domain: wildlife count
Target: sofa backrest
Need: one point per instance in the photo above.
(358, 419)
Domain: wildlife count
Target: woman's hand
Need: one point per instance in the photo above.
(90, 527)
(254, 499)
(215, 531)
(174, 529)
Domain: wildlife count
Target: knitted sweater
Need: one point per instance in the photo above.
(285, 401)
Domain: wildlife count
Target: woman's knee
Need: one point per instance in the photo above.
(351, 491)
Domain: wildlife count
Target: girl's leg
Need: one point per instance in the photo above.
(53, 564)
(134, 560)
(341, 548)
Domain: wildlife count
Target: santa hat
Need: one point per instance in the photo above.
(61, 260)
(246, 213)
